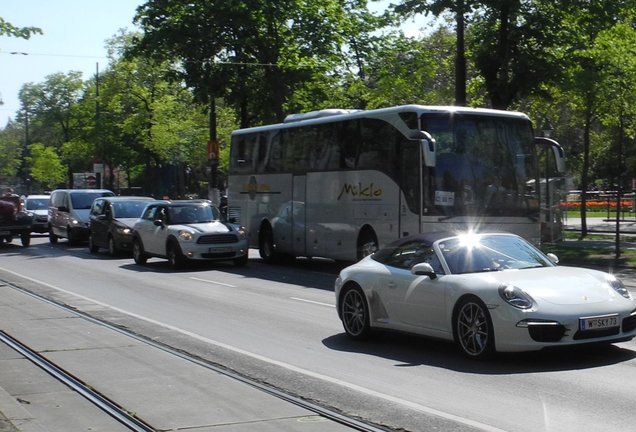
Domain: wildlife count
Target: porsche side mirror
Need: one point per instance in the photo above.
(423, 269)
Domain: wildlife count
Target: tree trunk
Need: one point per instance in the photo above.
(460, 57)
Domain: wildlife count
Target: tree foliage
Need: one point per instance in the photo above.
(46, 166)
(8, 29)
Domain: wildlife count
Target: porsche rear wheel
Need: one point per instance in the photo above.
(354, 312)
(473, 329)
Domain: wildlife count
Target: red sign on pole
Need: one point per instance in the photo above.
(213, 149)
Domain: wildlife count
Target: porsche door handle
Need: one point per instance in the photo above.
(391, 285)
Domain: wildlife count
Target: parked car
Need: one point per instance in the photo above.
(14, 221)
(38, 207)
(68, 213)
(111, 220)
(486, 292)
(185, 230)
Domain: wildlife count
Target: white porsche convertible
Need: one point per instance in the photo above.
(486, 292)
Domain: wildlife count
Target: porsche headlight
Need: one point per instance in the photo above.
(515, 297)
(124, 231)
(185, 235)
(618, 286)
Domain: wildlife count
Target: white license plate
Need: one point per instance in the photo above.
(600, 322)
(5, 233)
(219, 250)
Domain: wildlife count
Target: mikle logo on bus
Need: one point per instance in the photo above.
(360, 191)
(253, 188)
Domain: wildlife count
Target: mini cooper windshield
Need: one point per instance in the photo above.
(192, 214)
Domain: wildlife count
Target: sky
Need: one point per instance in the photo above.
(74, 39)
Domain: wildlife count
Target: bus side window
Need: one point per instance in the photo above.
(275, 155)
(261, 153)
(350, 139)
(377, 147)
(243, 149)
(326, 151)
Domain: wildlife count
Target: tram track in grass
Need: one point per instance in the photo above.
(131, 420)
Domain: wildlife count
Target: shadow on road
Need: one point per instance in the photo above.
(412, 351)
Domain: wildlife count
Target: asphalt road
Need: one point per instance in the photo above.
(278, 324)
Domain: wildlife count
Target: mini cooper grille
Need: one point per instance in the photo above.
(629, 323)
(218, 238)
(546, 332)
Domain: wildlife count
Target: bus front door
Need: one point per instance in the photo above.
(298, 216)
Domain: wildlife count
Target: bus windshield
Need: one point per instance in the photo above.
(484, 166)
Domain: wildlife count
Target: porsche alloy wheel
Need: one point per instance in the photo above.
(473, 329)
(355, 313)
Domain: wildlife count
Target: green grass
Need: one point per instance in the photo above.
(587, 256)
(596, 214)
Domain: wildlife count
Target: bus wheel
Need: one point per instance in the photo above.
(367, 244)
(266, 245)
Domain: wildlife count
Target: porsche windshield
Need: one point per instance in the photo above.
(474, 254)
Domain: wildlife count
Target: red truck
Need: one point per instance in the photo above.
(14, 221)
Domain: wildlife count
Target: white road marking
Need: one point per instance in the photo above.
(290, 367)
(213, 282)
(313, 302)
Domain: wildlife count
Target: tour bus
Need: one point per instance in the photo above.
(341, 183)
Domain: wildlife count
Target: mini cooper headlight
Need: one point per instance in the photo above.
(515, 297)
(618, 286)
(185, 235)
(242, 233)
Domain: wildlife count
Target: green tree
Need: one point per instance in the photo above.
(46, 166)
(406, 70)
(146, 119)
(11, 147)
(49, 111)
(253, 53)
(460, 8)
(580, 90)
(8, 29)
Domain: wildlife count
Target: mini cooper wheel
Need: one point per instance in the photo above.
(138, 252)
(354, 313)
(473, 329)
(175, 256)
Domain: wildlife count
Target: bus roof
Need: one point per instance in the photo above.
(334, 115)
